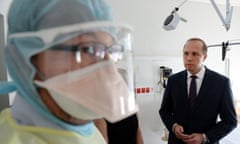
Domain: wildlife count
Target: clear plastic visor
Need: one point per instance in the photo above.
(77, 53)
(75, 47)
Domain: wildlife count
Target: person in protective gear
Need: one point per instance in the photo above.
(63, 58)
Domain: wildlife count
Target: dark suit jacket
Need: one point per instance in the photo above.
(214, 99)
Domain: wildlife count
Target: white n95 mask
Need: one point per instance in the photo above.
(93, 92)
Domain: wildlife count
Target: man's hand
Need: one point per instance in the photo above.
(194, 138)
(179, 132)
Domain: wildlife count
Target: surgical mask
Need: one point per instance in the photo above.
(92, 92)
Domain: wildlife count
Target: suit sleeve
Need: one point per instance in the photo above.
(166, 112)
(227, 115)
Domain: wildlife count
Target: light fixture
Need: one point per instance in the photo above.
(171, 22)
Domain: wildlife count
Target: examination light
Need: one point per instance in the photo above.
(171, 22)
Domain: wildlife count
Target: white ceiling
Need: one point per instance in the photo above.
(232, 2)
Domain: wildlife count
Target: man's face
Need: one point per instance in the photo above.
(193, 56)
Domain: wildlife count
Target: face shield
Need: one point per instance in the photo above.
(86, 68)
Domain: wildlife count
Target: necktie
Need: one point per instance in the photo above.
(192, 90)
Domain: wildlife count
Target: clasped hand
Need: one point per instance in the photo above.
(194, 138)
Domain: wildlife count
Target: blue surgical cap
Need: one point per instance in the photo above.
(34, 15)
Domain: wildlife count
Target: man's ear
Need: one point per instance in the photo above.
(205, 57)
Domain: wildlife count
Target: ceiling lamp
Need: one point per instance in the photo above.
(171, 22)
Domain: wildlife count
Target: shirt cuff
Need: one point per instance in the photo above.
(205, 138)
(173, 127)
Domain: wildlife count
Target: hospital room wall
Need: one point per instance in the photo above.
(154, 47)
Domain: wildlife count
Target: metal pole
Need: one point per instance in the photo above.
(4, 99)
(218, 11)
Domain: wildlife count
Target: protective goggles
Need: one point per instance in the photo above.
(97, 50)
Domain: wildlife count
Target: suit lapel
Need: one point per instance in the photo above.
(184, 88)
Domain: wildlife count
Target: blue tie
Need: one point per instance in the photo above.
(192, 90)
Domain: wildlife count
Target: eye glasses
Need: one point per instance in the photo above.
(95, 49)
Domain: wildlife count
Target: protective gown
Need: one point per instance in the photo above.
(13, 133)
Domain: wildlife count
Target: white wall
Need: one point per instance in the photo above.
(147, 74)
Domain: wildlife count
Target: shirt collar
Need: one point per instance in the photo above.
(200, 74)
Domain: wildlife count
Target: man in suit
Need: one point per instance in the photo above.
(212, 115)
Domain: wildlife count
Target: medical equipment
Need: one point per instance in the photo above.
(229, 9)
(225, 47)
(165, 72)
(173, 19)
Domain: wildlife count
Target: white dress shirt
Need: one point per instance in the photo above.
(199, 79)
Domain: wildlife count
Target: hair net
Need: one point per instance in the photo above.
(33, 15)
